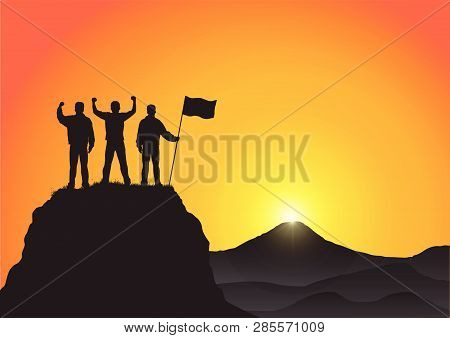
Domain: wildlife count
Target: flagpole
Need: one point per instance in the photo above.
(176, 146)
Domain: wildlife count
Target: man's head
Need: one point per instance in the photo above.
(151, 110)
(115, 106)
(79, 108)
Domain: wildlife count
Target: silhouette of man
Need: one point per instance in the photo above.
(114, 122)
(81, 139)
(150, 129)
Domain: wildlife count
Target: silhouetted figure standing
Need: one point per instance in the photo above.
(81, 139)
(114, 122)
(150, 129)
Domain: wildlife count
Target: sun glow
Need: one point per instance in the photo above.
(290, 215)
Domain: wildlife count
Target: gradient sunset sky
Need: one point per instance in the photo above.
(378, 157)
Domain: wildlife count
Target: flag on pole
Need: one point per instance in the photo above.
(199, 107)
(194, 107)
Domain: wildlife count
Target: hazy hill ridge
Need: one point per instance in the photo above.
(292, 271)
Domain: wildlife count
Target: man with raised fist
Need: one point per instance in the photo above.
(81, 139)
(114, 123)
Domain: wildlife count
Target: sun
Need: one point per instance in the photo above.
(290, 215)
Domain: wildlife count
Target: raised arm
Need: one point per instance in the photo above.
(97, 112)
(127, 115)
(91, 137)
(59, 114)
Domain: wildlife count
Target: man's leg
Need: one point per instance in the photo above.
(121, 155)
(84, 166)
(73, 166)
(155, 162)
(145, 165)
(109, 153)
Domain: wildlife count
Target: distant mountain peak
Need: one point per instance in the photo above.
(294, 254)
(288, 237)
(293, 229)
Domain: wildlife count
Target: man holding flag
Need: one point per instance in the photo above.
(147, 141)
(150, 129)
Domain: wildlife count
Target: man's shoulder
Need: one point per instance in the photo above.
(150, 120)
(87, 120)
(70, 118)
(158, 122)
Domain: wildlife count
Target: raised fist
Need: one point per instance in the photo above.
(94, 99)
(133, 98)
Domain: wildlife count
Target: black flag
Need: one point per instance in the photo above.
(199, 107)
(194, 106)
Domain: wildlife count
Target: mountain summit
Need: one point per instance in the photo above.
(114, 251)
(293, 254)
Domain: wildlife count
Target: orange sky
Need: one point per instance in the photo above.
(378, 157)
